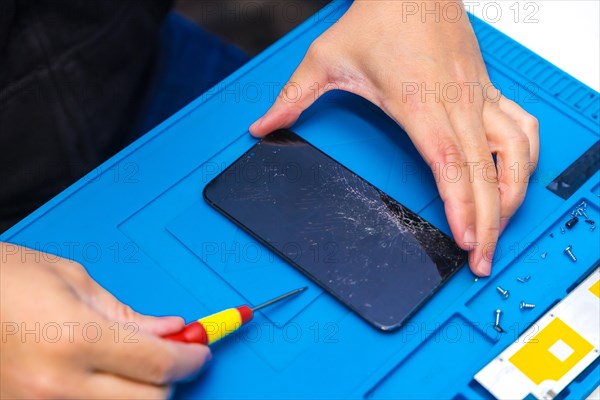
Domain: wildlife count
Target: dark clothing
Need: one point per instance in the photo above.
(77, 81)
(191, 61)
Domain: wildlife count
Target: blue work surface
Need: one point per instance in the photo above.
(139, 225)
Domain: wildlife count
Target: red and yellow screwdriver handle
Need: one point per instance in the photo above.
(214, 327)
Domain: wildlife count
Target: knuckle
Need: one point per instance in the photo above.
(531, 123)
(469, 103)
(413, 105)
(78, 270)
(74, 269)
(520, 140)
(449, 152)
(468, 202)
(492, 232)
(125, 312)
(491, 94)
(485, 171)
(318, 50)
(488, 236)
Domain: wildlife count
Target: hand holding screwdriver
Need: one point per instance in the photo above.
(214, 327)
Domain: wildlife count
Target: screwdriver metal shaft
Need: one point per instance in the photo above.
(278, 299)
(210, 329)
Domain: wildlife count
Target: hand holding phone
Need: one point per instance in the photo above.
(373, 254)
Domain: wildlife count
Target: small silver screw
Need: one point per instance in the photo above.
(526, 278)
(503, 293)
(581, 211)
(543, 255)
(592, 228)
(497, 327)
(525, 306)
(562, 230)
(569, 253)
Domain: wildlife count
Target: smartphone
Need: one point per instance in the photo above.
(367, 250)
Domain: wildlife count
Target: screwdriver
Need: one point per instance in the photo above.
(210, 329)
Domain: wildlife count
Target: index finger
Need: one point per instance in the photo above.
(468, 124)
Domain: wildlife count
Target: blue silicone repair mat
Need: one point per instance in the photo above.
(139, 225)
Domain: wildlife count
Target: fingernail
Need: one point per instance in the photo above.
(256, 124)
(469, 237)
(484, 267)
(503, 223)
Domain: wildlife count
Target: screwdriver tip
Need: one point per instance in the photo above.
(277, 299)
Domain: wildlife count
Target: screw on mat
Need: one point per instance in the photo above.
(497, 315)
(581, 212)
(543, 255)
(568, 251)
(562, 230)
(524, 279)
(503, 293)
(526, 306)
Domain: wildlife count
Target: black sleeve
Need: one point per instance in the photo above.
(72, 74)
(7, 14)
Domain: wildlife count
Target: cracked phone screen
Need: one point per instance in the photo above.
(366, 249)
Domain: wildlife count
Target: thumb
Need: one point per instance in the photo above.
(306, 85)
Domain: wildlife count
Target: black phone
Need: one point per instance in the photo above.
(373, 254)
